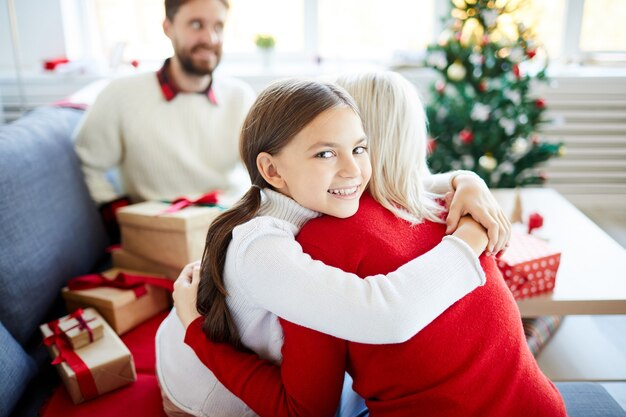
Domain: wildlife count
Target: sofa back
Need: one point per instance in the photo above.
(50, 228)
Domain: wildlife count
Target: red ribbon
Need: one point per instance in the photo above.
(123, 280)
(82, 323)
(84, 378)
(208, 199)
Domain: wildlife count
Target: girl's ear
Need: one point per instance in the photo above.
(266, 165)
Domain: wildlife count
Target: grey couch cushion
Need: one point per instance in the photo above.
(16, 370)
(50, 228)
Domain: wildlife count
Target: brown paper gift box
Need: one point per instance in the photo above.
(120, 308)
(529, 265)
(108, 359)
(77, 335)
(124, 259)
(172, 239)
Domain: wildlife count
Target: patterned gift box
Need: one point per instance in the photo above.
(172, 239)
(94, 369)
(124, 259)
(121, 296)
(529, 265)
(81, 328)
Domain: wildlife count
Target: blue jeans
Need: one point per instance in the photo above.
(582, 399)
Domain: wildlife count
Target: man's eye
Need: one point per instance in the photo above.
(360, 149)
(325, 154)
(196, 25)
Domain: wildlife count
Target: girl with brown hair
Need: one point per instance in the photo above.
(306, 153)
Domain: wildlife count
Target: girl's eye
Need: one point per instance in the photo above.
(325, 154)
(196, 25)
(360, 150)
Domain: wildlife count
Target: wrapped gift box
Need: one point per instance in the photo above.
(172, 239)
(126, 260)
(123, 309)
(92, 370)
(81, 328)
(529, 265)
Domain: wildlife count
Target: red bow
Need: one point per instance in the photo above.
(82, 323)
(123, 280)
(84, 378)
(208, 199)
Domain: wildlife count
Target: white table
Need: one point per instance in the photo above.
(592, 276)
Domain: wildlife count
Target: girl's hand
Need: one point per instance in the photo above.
(472, 233)
(471, 196)
(186, 292)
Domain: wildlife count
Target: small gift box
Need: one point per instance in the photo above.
(92, 370)
(529, 265)
(126, 260)
(81, 328)
(125, 298)
(172, 238)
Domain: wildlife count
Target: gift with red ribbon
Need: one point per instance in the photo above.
(529, 265)
(167, 235)
(81, 328)
(209, 199)
(96, 368)
(125, 298)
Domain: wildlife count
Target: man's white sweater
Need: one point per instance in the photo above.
(164, 149)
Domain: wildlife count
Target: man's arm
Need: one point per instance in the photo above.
(98, 143)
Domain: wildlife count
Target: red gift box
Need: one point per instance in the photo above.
(529, 265)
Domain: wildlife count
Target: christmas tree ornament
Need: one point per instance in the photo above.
(487, 162)
(456, 71)
(466, 136)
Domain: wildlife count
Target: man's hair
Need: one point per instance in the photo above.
(172, 6)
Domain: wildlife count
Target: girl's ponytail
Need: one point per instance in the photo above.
(219, 324)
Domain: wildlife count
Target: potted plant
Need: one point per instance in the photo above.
(265, 43)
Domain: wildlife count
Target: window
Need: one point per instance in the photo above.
(339, 29)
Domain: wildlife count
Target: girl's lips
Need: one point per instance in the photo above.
(344, 192)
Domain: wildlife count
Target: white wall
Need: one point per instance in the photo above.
(40, 32)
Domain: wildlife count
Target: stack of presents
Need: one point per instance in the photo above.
(158, 240)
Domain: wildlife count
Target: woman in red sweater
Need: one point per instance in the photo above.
(471, 361)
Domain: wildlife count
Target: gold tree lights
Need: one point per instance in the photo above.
(483, 116)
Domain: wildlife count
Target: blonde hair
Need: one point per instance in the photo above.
(395, 124)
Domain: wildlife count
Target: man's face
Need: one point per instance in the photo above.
(196, 33)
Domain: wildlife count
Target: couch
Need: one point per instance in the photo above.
(51, 231)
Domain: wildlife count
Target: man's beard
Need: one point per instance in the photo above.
(187, 64)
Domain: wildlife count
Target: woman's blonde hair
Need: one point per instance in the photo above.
(395, 124)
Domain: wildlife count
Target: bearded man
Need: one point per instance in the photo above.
(174, 132)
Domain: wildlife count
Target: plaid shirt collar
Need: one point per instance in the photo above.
(170, 89)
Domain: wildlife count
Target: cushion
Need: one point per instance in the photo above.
(16, 371)
(50, 227)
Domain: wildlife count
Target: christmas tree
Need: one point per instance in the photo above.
(483, 116)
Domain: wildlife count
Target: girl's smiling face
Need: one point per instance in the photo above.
(325, 167)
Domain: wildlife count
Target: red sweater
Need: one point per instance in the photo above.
(471, 361)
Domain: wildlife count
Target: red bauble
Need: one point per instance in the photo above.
(531, 54)
(540, 103)
(516, 71)
(466, 136)
(134, 63)
(432, 145)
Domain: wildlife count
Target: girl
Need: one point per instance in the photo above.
(472, 361)
(305, 150)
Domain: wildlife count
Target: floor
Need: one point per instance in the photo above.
(592, 347)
